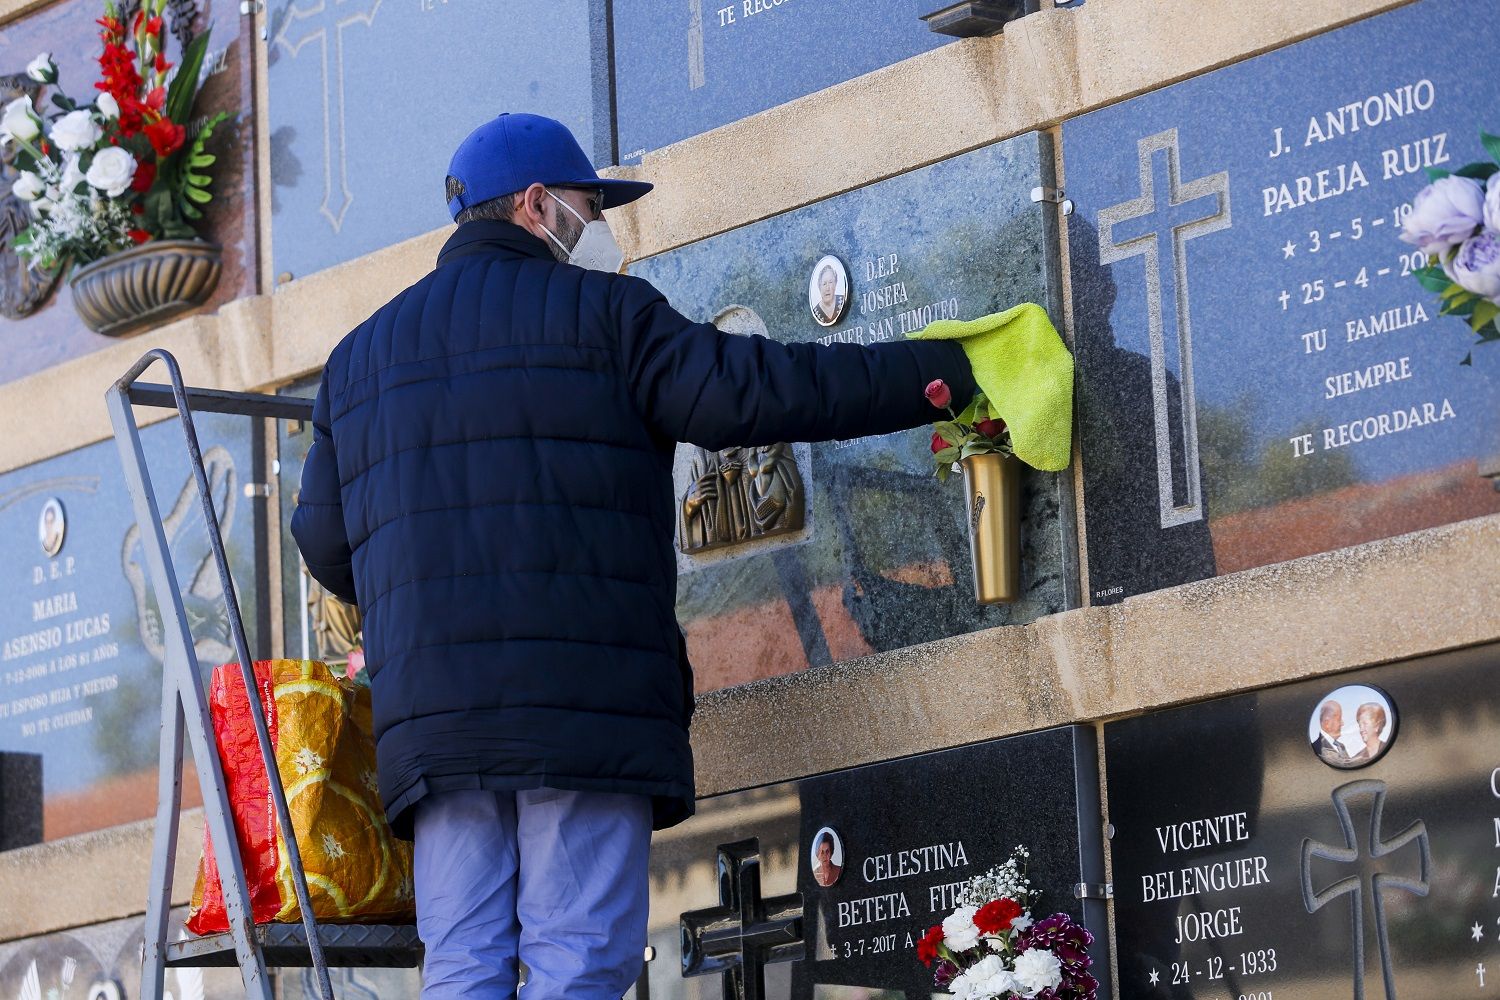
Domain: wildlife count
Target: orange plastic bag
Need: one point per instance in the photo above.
(320, 726)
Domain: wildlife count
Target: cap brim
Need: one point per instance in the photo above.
(618, 192)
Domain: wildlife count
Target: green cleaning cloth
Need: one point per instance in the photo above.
(1026, 372)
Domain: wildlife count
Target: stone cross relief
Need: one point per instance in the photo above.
(1354, 885)
(322, 22)
(1168, 212)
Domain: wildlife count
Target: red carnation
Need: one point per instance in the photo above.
(991, 428)
(938, 393)
(927, 948)
(938, 444)
(166, 136)
(145, 176)
(996, 917)
(138, 236)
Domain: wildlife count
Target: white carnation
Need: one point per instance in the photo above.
(28, 187)
(1022, 922)
(112, 171)
(76, 130)
(1038, 970)
(959, 932)
(19, 120)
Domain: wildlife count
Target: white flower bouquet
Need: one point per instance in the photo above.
(989, 948)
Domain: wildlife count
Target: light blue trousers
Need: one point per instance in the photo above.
(555, 879)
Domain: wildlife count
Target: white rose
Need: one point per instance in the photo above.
(42, 69)
(1038, 970)
(76, 130)
(112, 171)
(28, 187)
(959, 932)
(19, 120)
(109, 108)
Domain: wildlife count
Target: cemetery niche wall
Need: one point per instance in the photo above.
(38, 323)
(81, 642)
(879, 557)
(1260, 378)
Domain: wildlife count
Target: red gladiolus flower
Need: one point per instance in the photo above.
(166, 137)
(161, 62)
(154, 26)
(995, 917)
(938, 393)
(138, 236)
(938, 444)
(145, 176)
(157, 99)
(927, 947)
(991, 428)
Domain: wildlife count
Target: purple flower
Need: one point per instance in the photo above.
(1070, 943)
(944, 974)
(1444, 214)
(1476, 265)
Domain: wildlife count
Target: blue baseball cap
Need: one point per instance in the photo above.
(515, 151)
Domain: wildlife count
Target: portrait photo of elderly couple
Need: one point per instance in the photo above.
(1352, 727)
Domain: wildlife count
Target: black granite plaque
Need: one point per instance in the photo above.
(1248, 868)
(904, 836)
(20, 799)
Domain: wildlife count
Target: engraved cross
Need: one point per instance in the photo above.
(306, 23)
(1170, 213)
(744, 933)
(1353, 885)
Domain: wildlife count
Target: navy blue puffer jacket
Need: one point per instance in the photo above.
(490, 481)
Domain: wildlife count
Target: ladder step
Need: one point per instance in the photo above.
(389, 946)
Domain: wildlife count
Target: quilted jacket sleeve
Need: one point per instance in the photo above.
(318, 521)
(695, 383)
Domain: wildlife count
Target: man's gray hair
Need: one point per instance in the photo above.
(496, 209)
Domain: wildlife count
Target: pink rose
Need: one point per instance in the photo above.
(938, 393)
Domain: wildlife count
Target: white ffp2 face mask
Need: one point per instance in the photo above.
(596, 249)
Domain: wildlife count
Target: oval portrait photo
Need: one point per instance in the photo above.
(828, 291)
(52, 527)
(1352, 727)
(827, 857)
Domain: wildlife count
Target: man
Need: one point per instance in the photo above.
(1331, 724)
(491, 481)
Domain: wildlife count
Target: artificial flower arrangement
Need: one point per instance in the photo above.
(975, 431)
(1455, 222)
(989, 948)
(122, 170)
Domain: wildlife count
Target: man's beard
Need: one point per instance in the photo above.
(569, 231)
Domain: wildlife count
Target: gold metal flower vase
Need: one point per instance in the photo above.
(992, 484)
(145, 285)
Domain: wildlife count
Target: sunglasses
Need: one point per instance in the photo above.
(593, 198)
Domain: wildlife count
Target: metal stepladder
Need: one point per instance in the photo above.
(252, 947)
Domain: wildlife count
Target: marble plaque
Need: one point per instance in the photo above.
(54, 333)
(81, 639)
(1246, 866)
(369, 99)
(1260, 378)
(687, 66)
(882, 560)
(906, 834)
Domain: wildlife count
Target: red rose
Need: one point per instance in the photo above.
(995, 917)
(938, 394)
(991, 428)
(166, 136)
(138, 236)
(145, 176)
(938, 444)
(927, 948)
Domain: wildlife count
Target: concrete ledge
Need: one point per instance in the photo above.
(1403, 597)
(1409, 596)
(90, 878)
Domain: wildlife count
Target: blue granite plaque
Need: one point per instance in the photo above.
(369, 99)
(81, 640)
(881, 559)
(687, 66)
(1260, 378)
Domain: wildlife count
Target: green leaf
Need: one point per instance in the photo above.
(976, 447)
(1484, 313)
(1436, 173)
(1452, 290)
(1477, 171)
(1433, 278)
(203, 160)
(197, 180)
(949, 431)
(946, 457)
(199, 195)
(1491, 144)
(943, 471)
(191, 211)
(184, 88)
